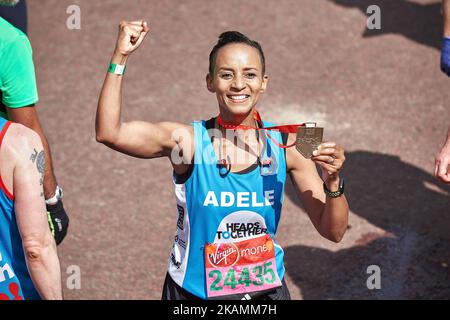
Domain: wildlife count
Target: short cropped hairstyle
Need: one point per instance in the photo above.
(234, 37)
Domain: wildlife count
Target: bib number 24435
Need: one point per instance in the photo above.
(241, 267)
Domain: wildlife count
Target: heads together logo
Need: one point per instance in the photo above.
(237, 227)
(246, 146)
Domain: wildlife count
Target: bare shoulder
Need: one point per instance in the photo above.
(177, 134)
(20, 140)
(180, 150)
(174, 127)
(20, 145)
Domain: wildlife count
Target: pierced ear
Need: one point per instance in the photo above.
(209, 83)
(264, 83)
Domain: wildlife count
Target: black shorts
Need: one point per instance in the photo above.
(173, 291)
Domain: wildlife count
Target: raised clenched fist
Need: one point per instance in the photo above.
(131, 35)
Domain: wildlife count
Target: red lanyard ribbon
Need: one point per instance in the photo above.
(288, 128)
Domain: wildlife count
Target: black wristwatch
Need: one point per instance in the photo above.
(335, 194)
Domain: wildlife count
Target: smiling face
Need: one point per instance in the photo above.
(238, 81)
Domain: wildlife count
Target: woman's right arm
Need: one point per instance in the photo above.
(136, 138)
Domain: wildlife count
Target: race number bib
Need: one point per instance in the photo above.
(241, 267)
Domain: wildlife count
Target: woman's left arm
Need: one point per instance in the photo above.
(328, 215)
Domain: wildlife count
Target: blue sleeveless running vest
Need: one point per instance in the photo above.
(217, 208)
(15, 281)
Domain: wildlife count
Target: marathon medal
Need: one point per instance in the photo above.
(309, 137)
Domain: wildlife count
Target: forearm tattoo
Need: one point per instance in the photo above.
(39, 159)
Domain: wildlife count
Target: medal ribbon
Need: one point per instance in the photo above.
(287, 128)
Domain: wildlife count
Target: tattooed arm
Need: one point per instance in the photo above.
(25, 151)
(28, 117)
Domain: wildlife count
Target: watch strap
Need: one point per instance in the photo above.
(334, 194)
(58, 195)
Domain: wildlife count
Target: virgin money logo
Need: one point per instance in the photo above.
(225, 255)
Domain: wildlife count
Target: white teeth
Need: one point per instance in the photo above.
(238, 97)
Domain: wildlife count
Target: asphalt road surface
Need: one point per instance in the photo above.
(379, 93)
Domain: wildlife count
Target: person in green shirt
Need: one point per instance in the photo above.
(18, 96)
(15, 12)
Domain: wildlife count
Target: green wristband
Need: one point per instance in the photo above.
(118, 69)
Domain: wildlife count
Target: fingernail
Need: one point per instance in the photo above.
(315, 153)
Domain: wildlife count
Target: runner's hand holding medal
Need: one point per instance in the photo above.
(328, 155)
